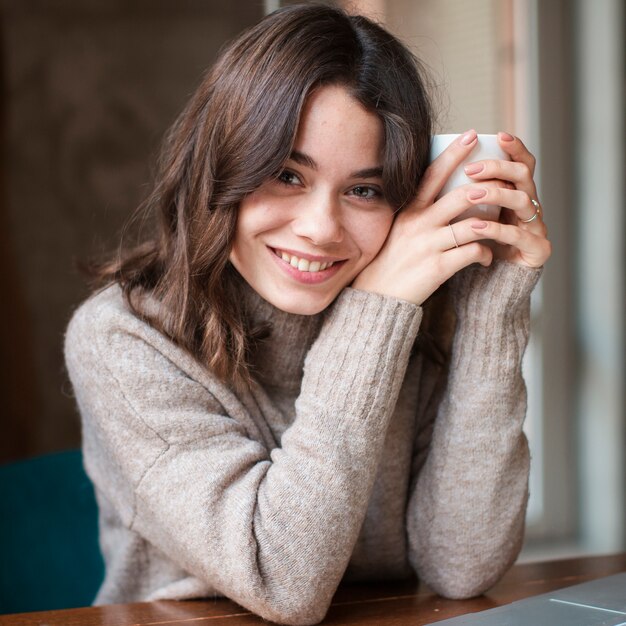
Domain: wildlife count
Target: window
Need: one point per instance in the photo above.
(515, 64)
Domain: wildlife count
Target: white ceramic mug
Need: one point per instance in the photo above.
(486, 148)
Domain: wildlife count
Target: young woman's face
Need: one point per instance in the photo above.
(305, 235)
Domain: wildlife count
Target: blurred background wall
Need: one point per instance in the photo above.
(90, 86)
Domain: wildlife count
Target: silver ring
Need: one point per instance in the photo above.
(456, 243)
(537, 212)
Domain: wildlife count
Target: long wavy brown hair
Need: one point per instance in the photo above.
(236, 132)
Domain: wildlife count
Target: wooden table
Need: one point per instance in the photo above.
(382, 604)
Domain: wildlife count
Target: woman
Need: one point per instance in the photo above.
(272, 398)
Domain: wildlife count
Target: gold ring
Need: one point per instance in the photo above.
(456, 243)
(536, 213)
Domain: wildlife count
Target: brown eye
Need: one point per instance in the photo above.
(286, 177)
(366, 192)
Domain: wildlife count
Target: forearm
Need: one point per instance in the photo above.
(467, 510)
(176, 454)
(312, 501)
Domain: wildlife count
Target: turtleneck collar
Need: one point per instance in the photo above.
(279, 359)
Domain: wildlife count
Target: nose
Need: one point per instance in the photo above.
(318, 219)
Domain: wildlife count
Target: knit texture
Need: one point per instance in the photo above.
(354, 457)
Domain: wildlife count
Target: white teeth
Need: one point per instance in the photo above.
(304, 265)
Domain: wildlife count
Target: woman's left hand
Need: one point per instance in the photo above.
(521, 232)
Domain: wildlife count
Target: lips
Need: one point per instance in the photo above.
(301, 263)
(306, 270)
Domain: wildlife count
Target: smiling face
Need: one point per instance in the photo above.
(306, 234)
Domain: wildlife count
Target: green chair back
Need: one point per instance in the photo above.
(49, 554)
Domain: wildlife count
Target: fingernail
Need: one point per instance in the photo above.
(506, 136)
(479, 225)
(473, 168)
(468, 137)
(475, 194)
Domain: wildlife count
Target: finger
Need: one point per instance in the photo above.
(518, 201)
(511, 171)
(442, 167)
(455, 202)
(474, 229)
(516, 149)
(455, 259)
(462, 236)
(447, 237)
(534, 249)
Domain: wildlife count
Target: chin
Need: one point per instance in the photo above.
(300, 304)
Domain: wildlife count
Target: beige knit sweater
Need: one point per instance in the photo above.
(343, 463)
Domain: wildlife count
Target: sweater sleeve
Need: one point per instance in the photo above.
(466, 512)
(271, 529)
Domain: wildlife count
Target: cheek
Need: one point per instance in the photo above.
(370, 232)
(254, 218)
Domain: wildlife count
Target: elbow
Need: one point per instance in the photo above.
(293, 616)
(459, 587)
(466, 569)
(293, 610)
(460, 581)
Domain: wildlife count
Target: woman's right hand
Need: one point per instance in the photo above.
(421, 251)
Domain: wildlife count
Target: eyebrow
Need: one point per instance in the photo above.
(304, 159)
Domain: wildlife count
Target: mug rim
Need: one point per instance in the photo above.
(458, 134)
